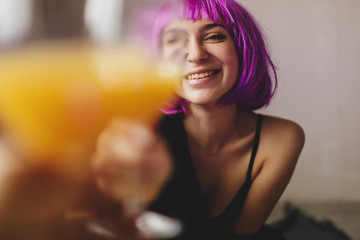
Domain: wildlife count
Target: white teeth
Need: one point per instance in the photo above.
(200, 75)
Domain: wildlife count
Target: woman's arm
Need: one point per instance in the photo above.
(34, 199)
(280, 146)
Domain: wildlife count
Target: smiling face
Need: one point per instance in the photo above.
(209, 58)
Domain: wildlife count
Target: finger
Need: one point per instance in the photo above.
(124, 143)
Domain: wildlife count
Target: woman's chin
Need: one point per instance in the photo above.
(201, 101)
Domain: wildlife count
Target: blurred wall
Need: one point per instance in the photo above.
(316, 46)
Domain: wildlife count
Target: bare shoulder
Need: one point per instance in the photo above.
(282, 136)
(282, 127)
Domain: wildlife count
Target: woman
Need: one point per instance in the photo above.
(231, 165)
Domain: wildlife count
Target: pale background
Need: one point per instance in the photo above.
(316, 46)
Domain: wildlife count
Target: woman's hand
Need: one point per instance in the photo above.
(131, 164)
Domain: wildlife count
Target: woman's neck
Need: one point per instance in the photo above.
(211, 128)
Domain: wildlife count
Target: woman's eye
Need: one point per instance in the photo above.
(216, 37)
(171, 41)
(174, 40)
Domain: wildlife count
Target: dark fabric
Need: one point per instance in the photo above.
(181, 196)
(265, 233)
(298, 226)
(182, 199)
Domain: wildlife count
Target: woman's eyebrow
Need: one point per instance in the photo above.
(212, 25)
(174, 30)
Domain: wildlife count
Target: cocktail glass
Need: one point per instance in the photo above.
(66, 70)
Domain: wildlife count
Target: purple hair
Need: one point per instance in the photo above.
(255, 86)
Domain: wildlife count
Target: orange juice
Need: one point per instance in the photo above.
(56, 98)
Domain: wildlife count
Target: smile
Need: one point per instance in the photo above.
(202, 74)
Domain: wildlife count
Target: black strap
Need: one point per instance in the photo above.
(255, 147)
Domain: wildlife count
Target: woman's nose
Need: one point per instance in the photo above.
(196, 52)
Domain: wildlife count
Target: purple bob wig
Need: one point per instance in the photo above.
(257, 80)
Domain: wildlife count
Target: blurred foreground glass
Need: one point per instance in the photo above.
(66, 69)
